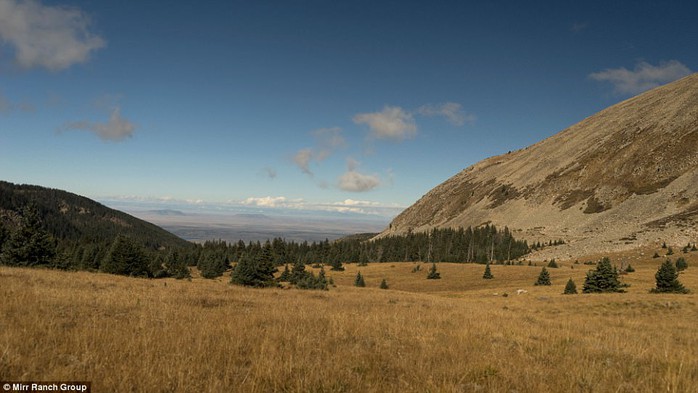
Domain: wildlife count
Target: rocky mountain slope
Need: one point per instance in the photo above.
(624, 177)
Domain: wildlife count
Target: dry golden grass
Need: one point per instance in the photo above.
(448, 335)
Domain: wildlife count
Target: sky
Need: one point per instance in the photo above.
(354, 107)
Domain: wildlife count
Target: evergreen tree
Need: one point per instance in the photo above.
(681, 264)
(668, 279)
(212, 265)
(125, 258)
(336, 265)
(176, 265)
(488, 274)
(433, 274)
(543, 277)
(321, 281)
(286, 274)
(570, 288)
(253, 272)
(670, 251)
(298, 272)
(29, 245)
(629, 269)
(552, 264)
(156, 266)
(359, 280)
(602, 279)
(384, 284)
(656, 255)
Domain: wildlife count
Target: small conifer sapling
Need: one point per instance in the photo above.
(543, 277)
(570, 288)
(488, 273)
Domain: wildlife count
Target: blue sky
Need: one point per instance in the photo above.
(359, 106)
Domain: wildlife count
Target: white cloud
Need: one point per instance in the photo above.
(53, 37)
(391, 123)
(354, 181)
(267, 201)
(352, 202)
(116, 128)
(452, 111)
(644, 77)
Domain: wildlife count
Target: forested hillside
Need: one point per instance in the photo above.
(53, 228)
(72, 218)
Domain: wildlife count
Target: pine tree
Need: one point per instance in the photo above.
(668, 279)
(30, 245)
(552, 264)
(656, 255)
(212, 265)
(253, 273)
(433, 274)
(336, 265)
(681, 264)
(602, 279)
(488, 274)
(570, 288)
(384, 284)
(285, 275)
(298, 272)
(125, 258)
(359, 280)
(629, 269)
(321, 281)
(543, 277)
(176, 265)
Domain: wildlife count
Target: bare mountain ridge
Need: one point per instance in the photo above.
(624, 177)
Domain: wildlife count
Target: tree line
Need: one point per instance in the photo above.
(29, 243)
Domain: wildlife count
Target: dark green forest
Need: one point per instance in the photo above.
(57, 229)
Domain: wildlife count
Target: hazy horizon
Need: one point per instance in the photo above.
(231, 222)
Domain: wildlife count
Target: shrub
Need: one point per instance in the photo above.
(629, 269)
(384, 284)
(433, 274)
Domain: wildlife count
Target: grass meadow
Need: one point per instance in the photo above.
(457, 334)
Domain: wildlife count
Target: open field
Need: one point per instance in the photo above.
(448, 335)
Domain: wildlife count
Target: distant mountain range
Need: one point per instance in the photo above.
(624, 177)
(72, 218)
